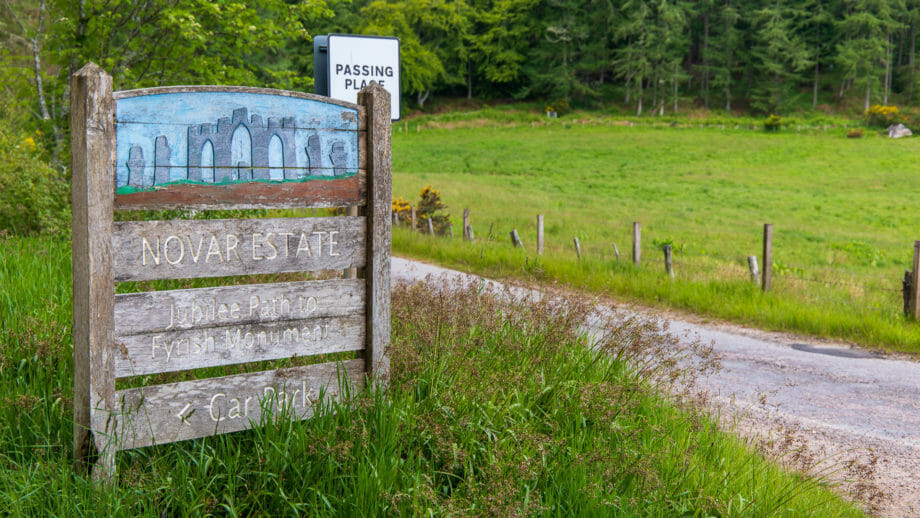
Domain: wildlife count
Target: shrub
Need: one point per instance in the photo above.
(429, 207)
(402, 208)
(34, 198)
(855, 133)
(562, 106)
(879, 116)
(772, 123)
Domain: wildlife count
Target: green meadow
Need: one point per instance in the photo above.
(495, 408)
(844, 213)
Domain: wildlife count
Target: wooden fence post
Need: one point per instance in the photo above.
(637, 242)
(430, 227)
(668, 267)
(376, 102)
(616, 251)
(414, 222)
(92, 122)
(767, 256)
(906, 292)
(578, 248)
(516, 239)
(466, 225)
(752, 265)
(469, 230)
(915, 284)
(539, 234)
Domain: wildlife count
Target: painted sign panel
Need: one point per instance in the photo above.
(228, 137)
(188, 410)
(176, 249)
(176, 330)
(175, 310)
(207, 147)
(356, 60)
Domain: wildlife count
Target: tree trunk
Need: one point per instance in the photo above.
(674, 92)
(910, 60)
(626, 97)
(814, 93)
(421, 97)
(886, 84)
(639, 97)
(705, 52)
(868, 96)
(469, 79)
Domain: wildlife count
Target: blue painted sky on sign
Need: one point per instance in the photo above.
(142, 119)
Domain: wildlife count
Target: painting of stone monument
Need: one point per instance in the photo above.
(241, 146)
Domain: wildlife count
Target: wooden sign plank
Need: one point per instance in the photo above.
(171, 351)
(146, 250)
(199, 308)
(212, 147)
(188, 410)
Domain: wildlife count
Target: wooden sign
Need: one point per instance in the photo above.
(208, 147)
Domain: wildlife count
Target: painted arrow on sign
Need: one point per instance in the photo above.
(184, 418)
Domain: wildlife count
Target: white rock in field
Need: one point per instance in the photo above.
(898, 131)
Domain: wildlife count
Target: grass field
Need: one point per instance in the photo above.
(843, 212)
(466, 428)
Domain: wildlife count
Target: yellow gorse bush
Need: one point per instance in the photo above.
(881, 115)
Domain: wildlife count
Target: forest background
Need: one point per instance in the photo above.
(642, 57)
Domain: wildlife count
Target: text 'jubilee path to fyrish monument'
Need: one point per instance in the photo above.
(222, 138)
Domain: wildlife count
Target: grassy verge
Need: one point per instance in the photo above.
(841, 209)
(495, 408)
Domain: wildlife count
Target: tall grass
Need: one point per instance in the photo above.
(495, 407)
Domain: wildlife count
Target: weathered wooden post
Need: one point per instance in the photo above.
(467, 235)
(767, 257)
(915, 284)
(616, 252)
(469, 230)
(126, 155)
(412, 218)
(637, 243)
(752, 265)
(539, 234)
(516, 239)
(376, 102)
(92, 119)
(430, 227)
(668, 267)
(577, 248)
(907, 292)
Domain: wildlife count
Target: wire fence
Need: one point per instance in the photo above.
(708, 264)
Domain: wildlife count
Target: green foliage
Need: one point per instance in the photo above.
(34, 198)
(772, 123)
(878, 116)
(431, 207)
(495, 406)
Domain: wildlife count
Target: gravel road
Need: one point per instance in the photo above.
(855, 412)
